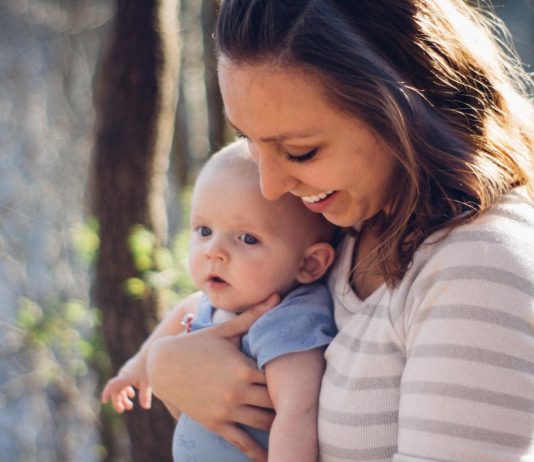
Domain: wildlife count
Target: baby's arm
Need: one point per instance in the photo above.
(294, 381)
(120, 389)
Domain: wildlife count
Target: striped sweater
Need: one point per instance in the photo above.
(441, 368)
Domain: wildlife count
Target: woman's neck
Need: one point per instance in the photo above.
(366, 276)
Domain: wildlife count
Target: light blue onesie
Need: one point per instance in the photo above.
(302, 321)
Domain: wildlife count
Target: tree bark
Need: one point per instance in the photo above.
(181, 156)
(135, 103)
(216, 121)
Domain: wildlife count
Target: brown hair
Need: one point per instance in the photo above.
(433, 78)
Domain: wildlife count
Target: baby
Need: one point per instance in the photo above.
(243, 249)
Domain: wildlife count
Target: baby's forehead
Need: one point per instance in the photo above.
(284, 216)
(239, 196)
(241, 167)
(235, 174)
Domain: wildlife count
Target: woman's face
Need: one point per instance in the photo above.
(304, 145)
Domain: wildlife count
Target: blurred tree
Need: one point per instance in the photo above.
(135, 102)
(201, 128)
(216, 121)
(181, 155)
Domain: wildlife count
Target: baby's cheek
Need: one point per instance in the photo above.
(195, 268)
(278, 281)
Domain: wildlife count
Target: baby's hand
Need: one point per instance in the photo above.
(121, 388)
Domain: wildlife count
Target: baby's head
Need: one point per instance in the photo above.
(243, 247)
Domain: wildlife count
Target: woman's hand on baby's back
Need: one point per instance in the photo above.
(206, 376)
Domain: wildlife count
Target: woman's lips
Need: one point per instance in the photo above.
(317, 197)
(321, 205)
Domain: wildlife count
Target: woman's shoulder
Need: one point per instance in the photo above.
(501, 236)
(512, 214)
(490, 258)
(483, 269)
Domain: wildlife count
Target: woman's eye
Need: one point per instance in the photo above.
(204, 231)
(240, 135)
(302, 157)
(248, 239)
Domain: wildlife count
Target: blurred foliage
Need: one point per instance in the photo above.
(68, 334)
(85, 240)
(163, 268)
(67, 330)
(71, 330)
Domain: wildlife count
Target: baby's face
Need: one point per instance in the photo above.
(243, 248)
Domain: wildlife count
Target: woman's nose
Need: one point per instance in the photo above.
(274, 178)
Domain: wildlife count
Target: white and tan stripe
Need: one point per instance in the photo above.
(441, 368)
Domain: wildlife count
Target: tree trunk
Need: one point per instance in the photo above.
(136, 102)
(181, 155)
(216, 121)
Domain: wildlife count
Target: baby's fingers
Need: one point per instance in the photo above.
(145, 396)
(130, 392)
(109, 390)
(121, 401)
(106, 394)
(127, 395)
(114, 386)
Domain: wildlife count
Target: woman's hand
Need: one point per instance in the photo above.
(204, 375)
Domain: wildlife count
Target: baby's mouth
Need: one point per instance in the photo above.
(216, 279)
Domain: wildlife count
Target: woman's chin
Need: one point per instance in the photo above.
(343, 220)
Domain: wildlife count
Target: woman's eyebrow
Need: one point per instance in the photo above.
(280, 137)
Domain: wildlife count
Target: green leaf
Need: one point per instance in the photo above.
(141, 241)
(29, 314)
(135, 287)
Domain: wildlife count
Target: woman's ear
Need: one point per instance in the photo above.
(317, 259)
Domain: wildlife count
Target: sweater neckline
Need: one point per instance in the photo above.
(341, 282)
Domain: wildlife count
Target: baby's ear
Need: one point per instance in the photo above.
(317, 259)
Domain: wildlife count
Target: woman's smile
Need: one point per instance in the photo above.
(317, 197)
(319, 203)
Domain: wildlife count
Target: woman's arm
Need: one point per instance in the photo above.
(294, 381)
(468, 386)
(171, 324)
(206, 376)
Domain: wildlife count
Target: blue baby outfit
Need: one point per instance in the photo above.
(302, 321)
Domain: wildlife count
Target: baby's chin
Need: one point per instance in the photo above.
(236, 307)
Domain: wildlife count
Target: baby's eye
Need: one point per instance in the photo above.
(204, 231)
(248, 239)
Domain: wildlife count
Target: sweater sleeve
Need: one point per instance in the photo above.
(303, 321)
(467, 390)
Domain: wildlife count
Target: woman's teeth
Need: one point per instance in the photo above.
(317, 197)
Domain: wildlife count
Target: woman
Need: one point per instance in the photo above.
(405, 123)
